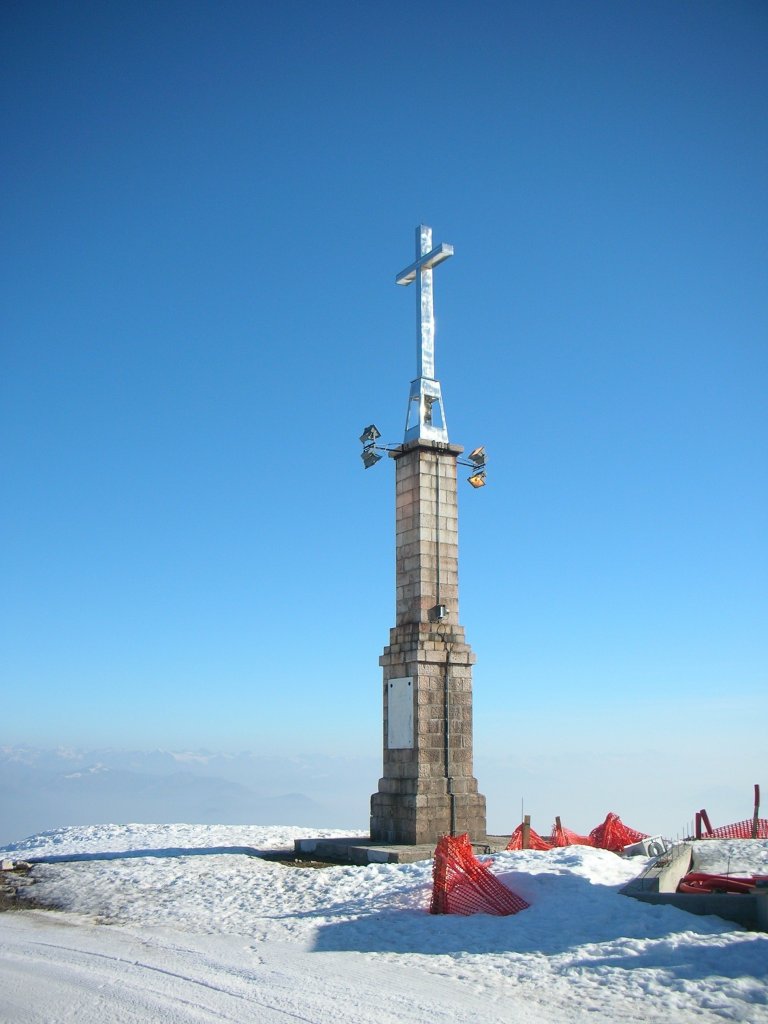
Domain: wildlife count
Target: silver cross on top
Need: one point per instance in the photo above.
(425, 418)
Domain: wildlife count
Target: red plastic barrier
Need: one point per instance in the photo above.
(740, 830)
(535, 842)
(462, 885)
(614, 835)
(702, 818)
(611, 835)
(564, 837)
(698, 881)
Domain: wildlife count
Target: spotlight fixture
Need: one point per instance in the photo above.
(477, 457)
(371, 433)
(369, 456)
(476, 462)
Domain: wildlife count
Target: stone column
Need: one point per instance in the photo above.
(427, 788)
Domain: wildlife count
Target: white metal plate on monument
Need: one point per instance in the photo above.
(400, 714)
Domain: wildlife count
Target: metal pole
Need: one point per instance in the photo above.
(447, 678)
(756, 815)
(447, 733)
(437, 529)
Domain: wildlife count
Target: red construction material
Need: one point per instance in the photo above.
(756, 814)
(752, 828)
(462, 885)
(535, 842)
(699, 881)
(614, 835)
(747, 829)
(564, 837)
(702, 819)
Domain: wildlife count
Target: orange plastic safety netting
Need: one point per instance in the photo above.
(535, 842)
(562, 836)
(611, 835)
(614, 835)
(741, 830)
(461, 884)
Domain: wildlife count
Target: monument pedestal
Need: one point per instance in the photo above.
(427, 788)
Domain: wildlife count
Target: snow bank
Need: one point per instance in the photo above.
(356, 943)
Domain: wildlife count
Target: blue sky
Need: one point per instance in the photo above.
(204, 208)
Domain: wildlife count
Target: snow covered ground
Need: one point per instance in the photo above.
(170, 928)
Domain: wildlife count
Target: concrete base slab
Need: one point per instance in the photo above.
(364, 851)
(663, 875)
(658, 884)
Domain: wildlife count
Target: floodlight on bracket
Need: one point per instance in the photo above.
(370, 434)
(369, 456)
(476, 461)
(370, 453)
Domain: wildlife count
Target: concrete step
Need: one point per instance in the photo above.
(364, 851)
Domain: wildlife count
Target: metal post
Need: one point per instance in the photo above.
(756, 816)
(447, 705)
(438, 602)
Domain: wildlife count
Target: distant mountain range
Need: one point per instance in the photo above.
(41, 789)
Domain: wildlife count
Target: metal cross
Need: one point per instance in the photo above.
(426, 259)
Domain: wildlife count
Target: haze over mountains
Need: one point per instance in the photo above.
(44, 789)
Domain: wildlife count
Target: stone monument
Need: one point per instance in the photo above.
(427, 788)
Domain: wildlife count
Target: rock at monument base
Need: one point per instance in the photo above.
(415, 819)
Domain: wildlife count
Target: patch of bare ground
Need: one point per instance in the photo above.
(16, 886)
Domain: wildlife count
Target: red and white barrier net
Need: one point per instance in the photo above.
(461, 884)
